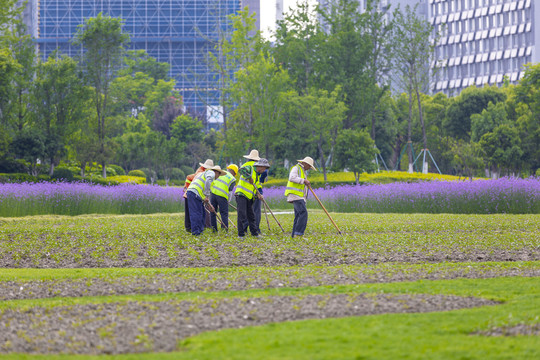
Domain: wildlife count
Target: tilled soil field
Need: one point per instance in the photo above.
(50, 308)
(257, 255)
(116, 328)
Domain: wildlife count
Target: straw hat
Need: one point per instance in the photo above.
(253, 155)
(207, 164)
(218, 169)
(309, 161)
(262, 162)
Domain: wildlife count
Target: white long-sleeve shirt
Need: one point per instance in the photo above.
(208, 177)
(296, 178)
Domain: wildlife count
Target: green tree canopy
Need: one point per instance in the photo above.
(471, 101)
(103, 41)
(355, 151)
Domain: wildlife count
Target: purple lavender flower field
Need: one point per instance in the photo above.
(505, 195)
(82, 198)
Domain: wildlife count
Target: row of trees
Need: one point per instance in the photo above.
(320, 89)
(110, 105)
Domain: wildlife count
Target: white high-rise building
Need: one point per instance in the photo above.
(483, 41)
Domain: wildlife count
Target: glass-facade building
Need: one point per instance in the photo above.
(178, 32)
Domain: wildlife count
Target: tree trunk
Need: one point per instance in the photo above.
(323, 165)
(409, 136)
(424, 137)
(51, 169)
(83, 168)
(373, 125)
(104, 170)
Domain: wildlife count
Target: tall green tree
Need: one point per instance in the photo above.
(24, 53)
(412, 54)
(502, 149)
(378, 29)
(257, 91)
(8, 68)
(103, 41)
(9, 13)
(489, 119)
(527, 94)
(355, 151)
(138, 61)
(467, 156)
(232, 52)
(298, 46)
(29, 145)
(60, 101)
(320, 115)
(472, 100)
(345, 58)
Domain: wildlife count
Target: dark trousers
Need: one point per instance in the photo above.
(300, 218)
(246, 217)
(257, 211)
(221, 204)
(187, 222)
(196, 213)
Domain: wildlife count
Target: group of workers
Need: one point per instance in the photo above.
(209, 190)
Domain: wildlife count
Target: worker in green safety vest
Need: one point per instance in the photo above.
(220, 196)
(198, 197)
(296, 194)
(253, 157)
(246, 192)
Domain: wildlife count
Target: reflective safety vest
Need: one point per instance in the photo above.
(294, 188)
(244, 187)
(198, 184)
(222, 184)
(256, 179)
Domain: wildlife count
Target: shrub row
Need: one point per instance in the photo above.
(61, 176)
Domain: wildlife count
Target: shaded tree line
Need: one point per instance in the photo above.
(321, 87)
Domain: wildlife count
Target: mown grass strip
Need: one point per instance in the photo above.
(29, 274)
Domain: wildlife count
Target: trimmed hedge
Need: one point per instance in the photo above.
(62, 174)
(117, 169)
(138, 173)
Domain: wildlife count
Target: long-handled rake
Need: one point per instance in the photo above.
(219, 218)
(320, 203)
(268, 207)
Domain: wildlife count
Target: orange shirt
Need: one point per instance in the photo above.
(190, 178)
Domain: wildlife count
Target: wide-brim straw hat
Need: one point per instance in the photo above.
(309, 161)
(207, 164)
(217, 168)
(253, 155)
(262, 162)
